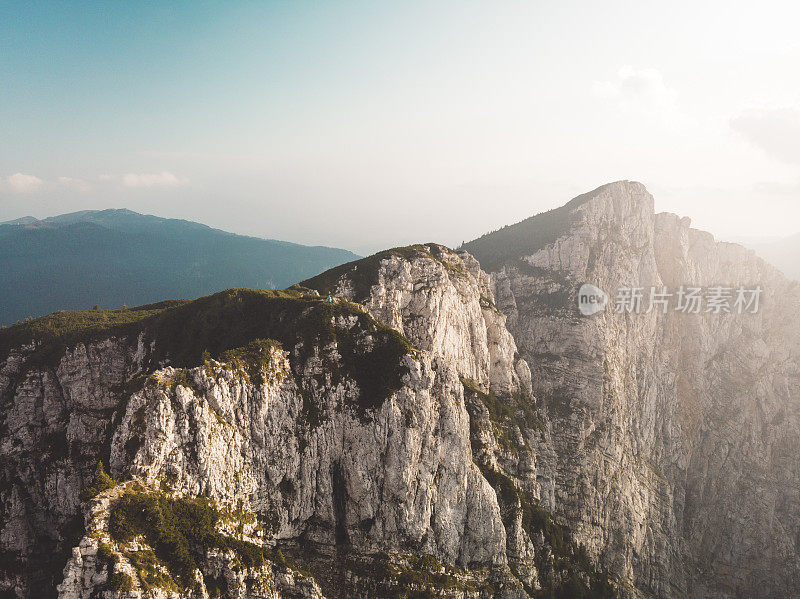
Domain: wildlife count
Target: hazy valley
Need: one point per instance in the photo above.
(115, 257)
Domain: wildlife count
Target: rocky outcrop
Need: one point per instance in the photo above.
(400, 478)
(53, 430)
(442, 301)
(348, 443)
(443, 304)
(131, 569)
(673, 437)
(407, 425)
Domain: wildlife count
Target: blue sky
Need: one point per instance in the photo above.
(369, 124)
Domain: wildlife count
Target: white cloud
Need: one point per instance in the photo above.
(21, 183)
(775, 130)
(642, 89)
(162, 179)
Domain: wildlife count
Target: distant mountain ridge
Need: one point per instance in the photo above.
(117, 256)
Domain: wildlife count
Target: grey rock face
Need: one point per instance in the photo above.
(433, 429)
(378, 485)
(674, 438)
(55, 421)
(291, 438)
(442, 302)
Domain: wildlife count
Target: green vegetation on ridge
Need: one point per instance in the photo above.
(179, 531)
(56, 331)
(505, 246)
(184, 333)
(102, 482)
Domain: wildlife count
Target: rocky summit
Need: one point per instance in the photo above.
(420, 423)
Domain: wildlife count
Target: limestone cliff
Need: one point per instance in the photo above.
(276, 444)
(408, 425)
(674, 438)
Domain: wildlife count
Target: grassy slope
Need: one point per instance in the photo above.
(507, 245)
(184, 331)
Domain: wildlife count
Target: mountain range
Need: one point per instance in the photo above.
(115, 257)
(450, 424)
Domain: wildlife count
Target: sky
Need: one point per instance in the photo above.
(367, 125)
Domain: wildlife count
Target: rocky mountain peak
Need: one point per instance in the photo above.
(422, 422)
(282, 443)
(442, 302)
(653, 398)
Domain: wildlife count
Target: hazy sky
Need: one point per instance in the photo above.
(369, 124)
